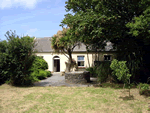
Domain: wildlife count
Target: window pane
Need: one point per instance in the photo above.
(107, 57)
(80, 57)
(80, 63)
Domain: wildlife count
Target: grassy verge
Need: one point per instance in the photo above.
(70, 100)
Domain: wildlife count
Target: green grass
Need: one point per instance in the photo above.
(70, 100)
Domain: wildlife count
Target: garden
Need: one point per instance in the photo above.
(123, 84)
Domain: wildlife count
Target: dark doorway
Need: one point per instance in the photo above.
(56, 64)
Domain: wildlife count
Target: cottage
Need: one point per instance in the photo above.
(56, 62)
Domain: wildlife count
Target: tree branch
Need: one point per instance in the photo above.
(65, 54)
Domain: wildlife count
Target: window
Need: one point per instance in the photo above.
(81, 61)
(107, 57)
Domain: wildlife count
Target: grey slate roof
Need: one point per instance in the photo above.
(44, 45)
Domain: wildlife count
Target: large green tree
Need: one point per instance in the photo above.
(65, 41)
(16, 58)
(97, 21)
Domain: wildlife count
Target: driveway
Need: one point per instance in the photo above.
(57, 80)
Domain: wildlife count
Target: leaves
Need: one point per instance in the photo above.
(120, 70)
(16, 58)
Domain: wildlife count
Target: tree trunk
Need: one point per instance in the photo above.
(68, 67)
(88, 58)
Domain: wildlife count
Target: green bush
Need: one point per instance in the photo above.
(38, 68)
(42, 74)
(143, 86)
(39, 63)
(103, 70)
(16, 59)
(48, 73)
(144, 89)
(34, 75)
(92, 71)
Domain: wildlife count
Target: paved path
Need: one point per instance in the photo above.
(57, 80)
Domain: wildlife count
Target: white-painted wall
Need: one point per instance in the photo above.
(48, 57)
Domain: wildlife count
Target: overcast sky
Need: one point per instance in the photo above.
(39, 18)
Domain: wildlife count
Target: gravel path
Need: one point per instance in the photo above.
(57, 80)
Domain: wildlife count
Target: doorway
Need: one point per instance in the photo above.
(56, 61)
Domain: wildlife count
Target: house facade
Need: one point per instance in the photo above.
(57, 61)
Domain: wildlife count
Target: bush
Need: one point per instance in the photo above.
(34, 75)
(48, 73)
(92, 71)
(39, 63)
(103, 70)
(16, 59)
(143, 86)
(42, 74)
(144, 89)
(38, 68)
(3, 62)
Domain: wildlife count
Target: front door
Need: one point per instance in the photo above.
(56, 64)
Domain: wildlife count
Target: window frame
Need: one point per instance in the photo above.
(107, 55)
(81, 60)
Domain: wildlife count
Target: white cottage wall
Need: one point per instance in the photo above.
(48, 57)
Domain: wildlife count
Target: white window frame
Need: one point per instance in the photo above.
(81, 61)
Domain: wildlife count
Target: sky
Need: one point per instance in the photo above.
(39, 18)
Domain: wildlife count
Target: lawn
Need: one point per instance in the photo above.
(70, 100)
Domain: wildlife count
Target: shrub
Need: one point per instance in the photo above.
(144, 89)
(34, 75)
(3, 62)
(39, 63)
(38, 68)
(42, 74)
(121, 70)
(48, 73)
(92, 71)
(16, 59)
(103, 70)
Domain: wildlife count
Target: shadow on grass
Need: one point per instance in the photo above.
(131, 97)
(22, 86)
(115, 86)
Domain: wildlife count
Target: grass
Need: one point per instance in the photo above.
(70, 100)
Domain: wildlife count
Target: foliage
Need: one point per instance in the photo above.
(39, 63)
(3, 62)
(38, 69)
(140, 26)
(125, 23)
(143, 86)
(65, 41)
(48, 73)
(144, 89)
(92, 71)
(16, 59)
(121, 71)
(103, 71)
(42, 74)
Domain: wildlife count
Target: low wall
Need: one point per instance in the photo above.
(77, 77)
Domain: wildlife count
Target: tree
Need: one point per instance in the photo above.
(97, 21)
(65, 41)
(121, 71)
(3, 63)
(17, 58)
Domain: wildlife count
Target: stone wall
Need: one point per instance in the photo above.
(77, 77)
